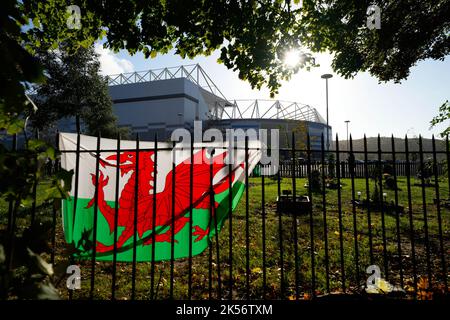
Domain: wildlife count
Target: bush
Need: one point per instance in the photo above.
(426, 171)
(331, 166)
(316, 181)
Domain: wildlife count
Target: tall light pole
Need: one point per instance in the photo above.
(327, 76)
(347, 122)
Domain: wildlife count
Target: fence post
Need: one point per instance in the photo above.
(172, 225)
(191, 212)
(311, 223)
(155, 181)
(397, 214)
(381, 202)
(410, 214)
(12, 213)
(94, 242)
(425, 215)
(116, 218)
(294, 219)
(438, 207)
(341, 229)
(324, 211)
(351, 165)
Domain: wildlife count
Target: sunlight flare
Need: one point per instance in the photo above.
(292, 58)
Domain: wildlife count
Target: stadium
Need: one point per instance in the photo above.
(159, 101)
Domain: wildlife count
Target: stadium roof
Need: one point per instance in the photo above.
(271, 109)
(192, 72)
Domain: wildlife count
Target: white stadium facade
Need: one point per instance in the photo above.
(156, 102)
(159, 101)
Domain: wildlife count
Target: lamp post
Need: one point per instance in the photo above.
(327, 76)
(347, 122)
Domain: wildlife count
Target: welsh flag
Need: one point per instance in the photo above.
(170, 202)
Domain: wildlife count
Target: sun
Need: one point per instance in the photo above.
(292, 58)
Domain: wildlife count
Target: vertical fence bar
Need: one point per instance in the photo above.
(294, 218)
(191, 218)
(311, 222)
(425, 214)
(54, 209)
(172, 225)
(397, 214)
(155, 181)
(211, 210)
(12, 210)
(410, 215)
(75, 196)
(369, 217)
(351, 164)
(11, 218)
(324, 211)
(230, 234)
(263, 213)
(447, 152)
(341, 229)
(135, 220)
(213, 213)
(383, 223)
(34, 191)
(116, 219)
(438, 207)
(247, 225)
(280, 232)
(94, 241)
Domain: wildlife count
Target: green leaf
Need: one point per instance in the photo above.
(15, 126)
(36, 22)
(2, 254)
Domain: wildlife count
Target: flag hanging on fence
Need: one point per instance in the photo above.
(173, 201)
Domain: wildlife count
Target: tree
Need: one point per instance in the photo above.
(21, 170)
(410, 31)
(74, 88)
(254, 36)
(442, 117)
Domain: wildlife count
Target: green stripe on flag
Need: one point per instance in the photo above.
(81, 235)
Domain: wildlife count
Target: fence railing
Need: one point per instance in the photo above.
(312, 228)
(301, 168)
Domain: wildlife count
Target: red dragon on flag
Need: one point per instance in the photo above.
(145, 198)
(169, 193)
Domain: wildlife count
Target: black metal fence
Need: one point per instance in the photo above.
(297, 234)
(358, 167)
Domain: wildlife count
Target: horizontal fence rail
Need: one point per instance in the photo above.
(323, 223)
(301, 168)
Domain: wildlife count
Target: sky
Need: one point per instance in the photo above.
(371, 107)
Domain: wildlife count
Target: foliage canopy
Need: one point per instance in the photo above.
(254, 36)
(74, 88)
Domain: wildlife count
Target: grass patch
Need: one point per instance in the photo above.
(201, 263)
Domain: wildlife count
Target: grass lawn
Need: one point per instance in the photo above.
(201, 263)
